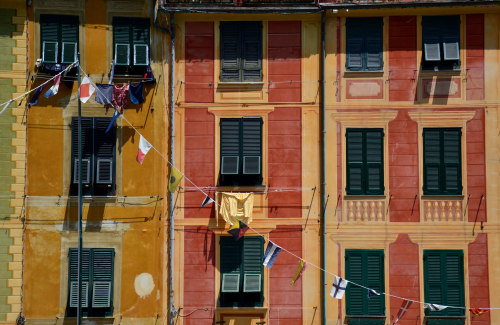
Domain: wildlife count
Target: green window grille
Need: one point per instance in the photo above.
(365, 267)
(442, 161)
(98, 156)
(241, 151)
(59, 38)
(131, 41)
(241, 51)
(241, 272)
(364, 161)
(444, 285)
(97, 282)
(441, 42)
(364, 44)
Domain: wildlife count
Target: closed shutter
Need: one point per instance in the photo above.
(444, 283)
(354, 272)
(452, 183)
(252, 51)
(375, 280)
(69, 39)
(73, 277)
(49, 36)
(87, 149)
(230, 144)
(230, 51)
(102, 286)
(230, 264)
(374, 53)
(252, 145)
(122, 40)
(140, 39)
(252, 264)
(364, 45)
(354, 162)
(104, 151)
(354, 44)
(374, 170)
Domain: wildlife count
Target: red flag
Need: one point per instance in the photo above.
(404, 307)
(478, 311)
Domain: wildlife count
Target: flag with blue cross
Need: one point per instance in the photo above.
(338, 287)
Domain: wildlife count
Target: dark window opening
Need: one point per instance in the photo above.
(441, 43)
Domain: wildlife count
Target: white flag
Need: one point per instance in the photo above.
(86, 89)
(434, 307)
(144, 147)
(338, 287)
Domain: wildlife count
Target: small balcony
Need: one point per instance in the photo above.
(443, 209)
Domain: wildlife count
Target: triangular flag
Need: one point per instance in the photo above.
(55, 88)
(86, 89)
(272, 252)
(174, 180)
(434, 307)
(5, 106)
(207, 200)
(238, 229)
(144, 147)
(478, 311)
(36, 95)
(338, 287)
(300, 270)
(115, 116)
(402, 310)
(372, 293)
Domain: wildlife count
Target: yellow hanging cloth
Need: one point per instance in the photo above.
(236, 206)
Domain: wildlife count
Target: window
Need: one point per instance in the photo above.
(241, 151)
(441, 43)
(241, 272)
(97, 282)
(442, 161)
(365, 267)
(131, 44)
(241, 51)
(364, 45)
(58, 39)
(365, 163)
(98, 156)
(444, 285)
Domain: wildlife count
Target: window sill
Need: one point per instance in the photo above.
(364, 74)
(441, 73)
(232, 86)
(243, 188)
(364, 197)
(361, 319)
(442, 197)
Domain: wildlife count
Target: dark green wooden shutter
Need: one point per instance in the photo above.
(373, 32)
(251, 51)
(230, 51)
(69, 38)
(354, 162)
(230, 144)
(87, 149)
(104, 151)
(364, 44)
(432, 161)
(49, 37)
(252, 145)
(73, 277)
(102, 272)
(140, 39)
(252, 264)
(365, 267)
(374, 166)
(441, 42)
(122, 29)
(444, 283)
(354, 44)
(230, 264)
(452, 152)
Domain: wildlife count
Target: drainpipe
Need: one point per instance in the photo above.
(322, 169)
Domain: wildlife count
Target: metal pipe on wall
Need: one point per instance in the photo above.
(323, 169)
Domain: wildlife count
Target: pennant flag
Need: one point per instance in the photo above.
(86, 89)
(238, 229)
(478, 311)
(434, 307)
(5, 106)
(272, 252)
(404, 307)
(115, 116)
(144, 147)
(300, 270)
(69, 68)
(36, 95)
(54, 89)
(338, 287)
(175, 179)
(372, 293)
(207, 200)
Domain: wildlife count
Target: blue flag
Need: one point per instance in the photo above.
(115, 116)
(272, 252)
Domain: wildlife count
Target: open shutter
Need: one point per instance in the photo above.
(121, 40)
(104, 151)
(452, 161)
(251, 51)
(230, 264)
(73, 277)
(230, 146)
(252, 264)
(374, 151)
(252, 145)
(102, 267)
(355, 296)
(354, 162)
(49, 36)
(87, 148)
(69, 39)
(375, 280)
(432, 161)
(140, 39)
(230, 51)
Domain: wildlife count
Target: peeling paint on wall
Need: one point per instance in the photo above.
(144, 285)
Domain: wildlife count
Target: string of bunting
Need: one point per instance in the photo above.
(238, 229)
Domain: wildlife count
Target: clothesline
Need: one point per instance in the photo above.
(263, 190)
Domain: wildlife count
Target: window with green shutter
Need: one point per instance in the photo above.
(444, 285)
(365, 267)
(241, 151)
(131, 44)
(441, 42)
(241, 272)
(241, 51)
(98, 156)
(364, 161)
(442, 161)
(58, 39)
(97, 282)
(364, 44)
